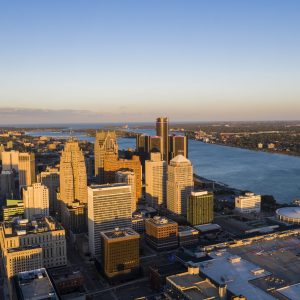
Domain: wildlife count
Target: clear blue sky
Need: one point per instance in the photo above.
(97, 61)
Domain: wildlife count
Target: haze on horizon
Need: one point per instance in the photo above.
(130, 61)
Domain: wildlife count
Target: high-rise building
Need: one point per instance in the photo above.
(43, 232)
(126, 176)
(156, 145)
(180, 184)
(50, 179)
(178, 144)
(120, 251)
(248, 203)
(10, 161)
(162, 129)
(105, 146)
(73, 179)
(155, 180)
(36, 200)
(7, 185)
(111, 166)
(26, 169)
(2, 149)
(109, 206)
(142, 143)
(200, 208)
(161, 233)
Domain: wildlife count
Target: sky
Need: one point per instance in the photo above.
(66, 61)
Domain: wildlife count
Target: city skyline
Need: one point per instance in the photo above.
(121, 62)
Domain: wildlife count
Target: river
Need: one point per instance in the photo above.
(260, 172)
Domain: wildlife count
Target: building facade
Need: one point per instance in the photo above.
(200, 208)
(36, 200)
(156, 180)
(120, 253)
(249, 203)
(109, 206)
(180, 184)
(162, 130)
(105, 146)
(178, 144)
(26, 169)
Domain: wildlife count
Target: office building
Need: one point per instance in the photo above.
(73, 178)
(200, 208)
(50, 179)
(105, 146)
(10, 161)
(143, 144)
(248, 203)
(35, 284)
(180, 184)
(111, 166)
(120, 251)
(109, 206)
(128, 177)
(162, 129)
(161, 233)
(12, 209)
(178, 145)
(187, 235)
(36, 200)
(155, 180)
(26, 258)
(7, 185)
(44, 232)
(26, 169)
(156, 145)
(74, 217)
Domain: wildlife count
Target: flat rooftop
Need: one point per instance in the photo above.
(160, 221)
(237, 273)
(292, 292)
(24, 226)
(106, 186)
(36, 285)
(24, 248)
(119, 233)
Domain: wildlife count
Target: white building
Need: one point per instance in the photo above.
(109, 206)
(248, 203)
(36, 200)
(156, 179)
(180, 184)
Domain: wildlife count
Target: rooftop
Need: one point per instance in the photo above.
(24, 226)
(180, 159)
(119, 233)
(289, 212)
(160, 221)
(236, 273)
(36, 285)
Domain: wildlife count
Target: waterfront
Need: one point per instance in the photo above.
(260, 172)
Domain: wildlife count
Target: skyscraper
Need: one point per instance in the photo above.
(105, 146)
(126, 176)
(162, 129)
(10, 160)
(156, 145)
(50, 178)
(200, 208)
(180, 184)
(155, 180)
(112, 165)
(178, 144)
(26, 169)
(73, 179)
(36, 200)
(109, 206)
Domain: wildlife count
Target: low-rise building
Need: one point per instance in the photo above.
(187, 235)
(161, 233)
(249, 203)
